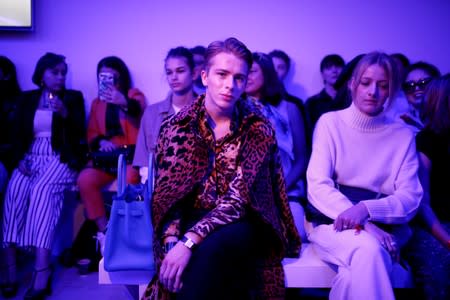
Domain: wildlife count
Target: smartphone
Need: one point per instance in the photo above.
(105, 82)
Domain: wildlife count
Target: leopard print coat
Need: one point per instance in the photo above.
(183, 159)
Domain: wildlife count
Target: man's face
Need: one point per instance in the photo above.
(330, 74)
(225, 80)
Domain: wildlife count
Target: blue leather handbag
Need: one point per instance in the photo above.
(129, 236)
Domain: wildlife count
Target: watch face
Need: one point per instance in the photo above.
(189, 243)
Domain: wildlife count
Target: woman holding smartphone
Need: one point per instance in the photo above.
(47, 153)
(113, 122)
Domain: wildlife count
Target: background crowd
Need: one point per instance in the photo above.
(395, 112)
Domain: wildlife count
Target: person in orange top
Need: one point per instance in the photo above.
(113, 122)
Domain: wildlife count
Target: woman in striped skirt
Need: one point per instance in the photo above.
(48, 150)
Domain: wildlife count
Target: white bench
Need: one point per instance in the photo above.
(308, 271)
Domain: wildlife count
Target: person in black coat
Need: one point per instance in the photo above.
(48, 151)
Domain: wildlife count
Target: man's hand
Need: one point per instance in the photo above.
(173, 266)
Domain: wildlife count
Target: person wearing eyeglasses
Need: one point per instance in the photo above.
(418, 76)
(428, 251)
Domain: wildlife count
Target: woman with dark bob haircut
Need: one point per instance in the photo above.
(9, 91)
(113, 122)
(48, 152)
(417, 78)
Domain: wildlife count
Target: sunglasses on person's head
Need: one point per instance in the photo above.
(410, 86)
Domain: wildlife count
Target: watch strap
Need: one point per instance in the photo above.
(189, 243)
(169, 245)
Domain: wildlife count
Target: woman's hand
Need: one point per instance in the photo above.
(106, 146)
(387, 240)
(354, 217)
(172, 267)
(24, 167)
(114, 96)
(57, 105)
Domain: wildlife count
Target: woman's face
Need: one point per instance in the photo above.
(255, 81)
(179, 76)
(330, 74)
(372, 91)
(414, 86)
(54, 79)
(280, 67)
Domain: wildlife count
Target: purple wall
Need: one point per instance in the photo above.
(142, 31)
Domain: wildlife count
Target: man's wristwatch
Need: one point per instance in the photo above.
(189, 243)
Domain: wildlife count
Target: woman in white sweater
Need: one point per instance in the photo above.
(363, 185)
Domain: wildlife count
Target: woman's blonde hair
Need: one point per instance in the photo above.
(384, 61)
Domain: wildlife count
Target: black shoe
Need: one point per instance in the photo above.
(9, 289)
(33, 294)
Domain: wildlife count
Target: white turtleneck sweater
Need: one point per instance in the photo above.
(374, 153)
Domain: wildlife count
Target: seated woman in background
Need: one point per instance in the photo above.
(428, 252)
(9, 91)
(418, 75)
(220, 214)
(363, 185)
(113, 122)
(48, 152)
(179, 66)
(264, 87)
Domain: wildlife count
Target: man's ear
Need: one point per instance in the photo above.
(204, 75)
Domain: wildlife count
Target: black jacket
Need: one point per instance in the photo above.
(68, 134)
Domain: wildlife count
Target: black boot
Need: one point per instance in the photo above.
(9, 287)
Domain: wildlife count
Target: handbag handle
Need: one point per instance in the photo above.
(121, 174)
(150, 182)
(151, 173)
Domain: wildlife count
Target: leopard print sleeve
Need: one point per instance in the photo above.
(229, 207)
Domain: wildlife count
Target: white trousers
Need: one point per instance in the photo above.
(364, 266)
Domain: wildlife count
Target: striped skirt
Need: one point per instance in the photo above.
(33, 203)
